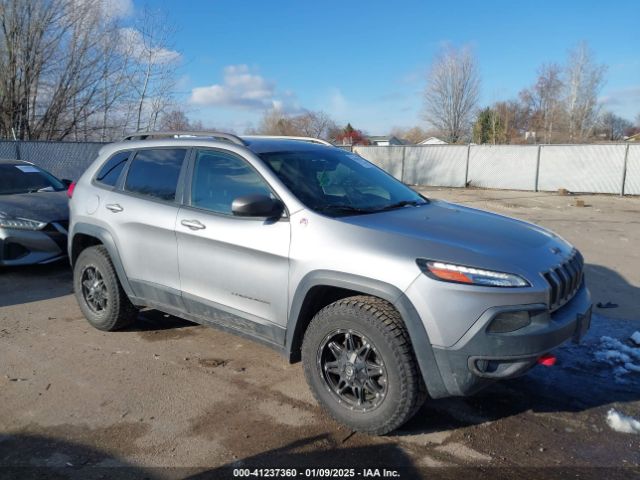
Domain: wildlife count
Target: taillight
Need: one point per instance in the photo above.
(70, 190)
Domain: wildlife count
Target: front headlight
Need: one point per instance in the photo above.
(448, 272)
(7, 221)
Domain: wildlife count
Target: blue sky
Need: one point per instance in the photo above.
(365, 62)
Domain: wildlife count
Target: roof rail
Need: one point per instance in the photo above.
(178, 134)
(288, 137)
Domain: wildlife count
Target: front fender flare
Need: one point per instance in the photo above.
(417, 333)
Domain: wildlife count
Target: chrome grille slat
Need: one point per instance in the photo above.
(564, 280)
(563, 283)
(572, 275)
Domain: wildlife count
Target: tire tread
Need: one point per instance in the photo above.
(380, 314)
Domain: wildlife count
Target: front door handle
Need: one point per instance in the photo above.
(193, 224)
(114, 207)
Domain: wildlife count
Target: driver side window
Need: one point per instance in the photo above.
(219, 178)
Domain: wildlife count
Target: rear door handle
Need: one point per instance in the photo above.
(114, 207)
(193, 224)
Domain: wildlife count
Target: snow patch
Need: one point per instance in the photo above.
(622, 357)
(622, 423)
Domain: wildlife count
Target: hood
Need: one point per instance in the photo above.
(462, 228)
(39, 206)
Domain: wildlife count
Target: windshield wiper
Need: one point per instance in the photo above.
(403, 203)
(343, 208)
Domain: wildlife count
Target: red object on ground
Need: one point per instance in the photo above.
(547, 360)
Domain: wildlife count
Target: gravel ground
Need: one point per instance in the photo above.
(171, 399)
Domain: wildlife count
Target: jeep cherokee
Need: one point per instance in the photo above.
(386, 296)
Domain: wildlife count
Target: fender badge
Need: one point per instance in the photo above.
(304, 221)
(555, 250)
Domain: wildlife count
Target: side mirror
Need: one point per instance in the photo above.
(67, 183)
(257, 206)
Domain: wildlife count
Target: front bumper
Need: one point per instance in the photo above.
(27, 247)
(480, 358)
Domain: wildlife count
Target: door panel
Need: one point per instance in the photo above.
(146, 241)
(237, 265)
(142, 214)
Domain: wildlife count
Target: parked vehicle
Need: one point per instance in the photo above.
(34, 214)
(387, 297)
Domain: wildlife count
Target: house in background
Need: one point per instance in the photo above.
(385, 141)
(432, 141)
(633, 138)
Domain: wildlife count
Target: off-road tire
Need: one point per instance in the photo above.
(119, 312)
(381, 323)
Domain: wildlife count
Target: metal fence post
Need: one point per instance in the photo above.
(404, 152)
(466, 168)
(537, 168)
(624, 170)
(17, 147)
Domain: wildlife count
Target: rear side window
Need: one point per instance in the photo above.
(155, 173)
(111, 170)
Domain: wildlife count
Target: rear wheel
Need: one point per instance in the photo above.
(360, 366)
(100, 296)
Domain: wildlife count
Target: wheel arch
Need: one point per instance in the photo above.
(320, 288)
(86, 235)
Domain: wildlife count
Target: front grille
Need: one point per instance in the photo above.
(564, 280)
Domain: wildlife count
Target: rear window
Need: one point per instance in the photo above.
(155, 173)
(111, 170)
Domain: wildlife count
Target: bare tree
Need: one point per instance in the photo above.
(613, 127)
(154, 77)
(452, 92)
(67, 68)
(514, 117)
(314, 124)
(544, 101)
(584, 80)
(308, 124)
(413, 134)
(175, 120)
(275, 122)
(50, 66)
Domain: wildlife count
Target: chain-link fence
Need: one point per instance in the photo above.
(63, 159)
(610, 168)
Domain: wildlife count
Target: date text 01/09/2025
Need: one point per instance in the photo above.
(315, 473)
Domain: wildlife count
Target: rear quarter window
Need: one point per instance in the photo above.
(111, 170)
(155, 173)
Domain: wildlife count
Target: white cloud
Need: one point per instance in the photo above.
(243, 88)
(133, 41)
(108, 9)
(118, 8)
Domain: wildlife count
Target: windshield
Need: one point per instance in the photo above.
(339, 183)
(24, 178)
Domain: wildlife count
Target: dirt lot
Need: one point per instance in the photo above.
(168, 393)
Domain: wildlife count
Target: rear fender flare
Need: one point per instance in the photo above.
(107, 240)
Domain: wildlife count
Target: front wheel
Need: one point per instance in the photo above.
(360, 365)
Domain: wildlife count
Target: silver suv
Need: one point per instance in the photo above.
(386, 296)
